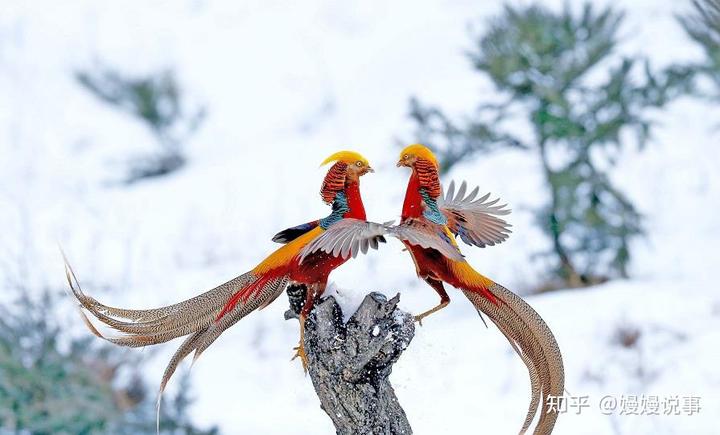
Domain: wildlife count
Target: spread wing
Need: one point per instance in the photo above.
(349, 237)
(475, 221)
(346, 238)
(429, 235)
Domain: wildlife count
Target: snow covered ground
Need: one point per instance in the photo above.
(286, 84)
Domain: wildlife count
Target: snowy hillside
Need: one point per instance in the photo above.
(286, 84)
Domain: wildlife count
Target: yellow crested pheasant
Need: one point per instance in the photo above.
(204, 317)
(429, 226)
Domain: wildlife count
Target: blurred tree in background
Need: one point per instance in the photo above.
(158, 102)
(557, 75)
(53, 384)
(703, 27)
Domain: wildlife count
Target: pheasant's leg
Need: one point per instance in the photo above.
(310, 295)
(300, 349)
(444, 299)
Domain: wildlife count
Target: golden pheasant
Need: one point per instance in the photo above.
(428, 228)
(204, 317)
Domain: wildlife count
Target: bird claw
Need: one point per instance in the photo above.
(419, 318)
(300, 352)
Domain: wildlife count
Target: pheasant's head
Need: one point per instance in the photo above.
(353, 164)
(348, 168)
(411, 155)
(424, 166)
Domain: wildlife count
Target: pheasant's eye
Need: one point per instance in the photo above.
(405, 157)
(358, 163)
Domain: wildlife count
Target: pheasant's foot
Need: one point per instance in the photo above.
(300, 352)
(419, 318)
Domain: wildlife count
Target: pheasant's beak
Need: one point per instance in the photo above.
(369, 169)
(400, 163)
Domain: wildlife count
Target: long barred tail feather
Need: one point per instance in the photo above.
(199, 317)
(534, 343)
(202, 318)
(201, 339)
(160, 324)
(263, 296)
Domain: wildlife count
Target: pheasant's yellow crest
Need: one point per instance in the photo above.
(346, 157)
(420, 151)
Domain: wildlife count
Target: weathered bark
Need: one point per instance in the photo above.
(349, 363)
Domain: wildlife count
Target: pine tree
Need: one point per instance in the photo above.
(541, 62)
(703, 27)
(51, 383)
(158, 102)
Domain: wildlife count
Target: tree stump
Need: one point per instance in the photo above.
(349, 363)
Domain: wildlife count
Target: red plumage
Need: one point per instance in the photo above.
(412, 207)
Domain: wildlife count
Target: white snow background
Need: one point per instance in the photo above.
(286, 84)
